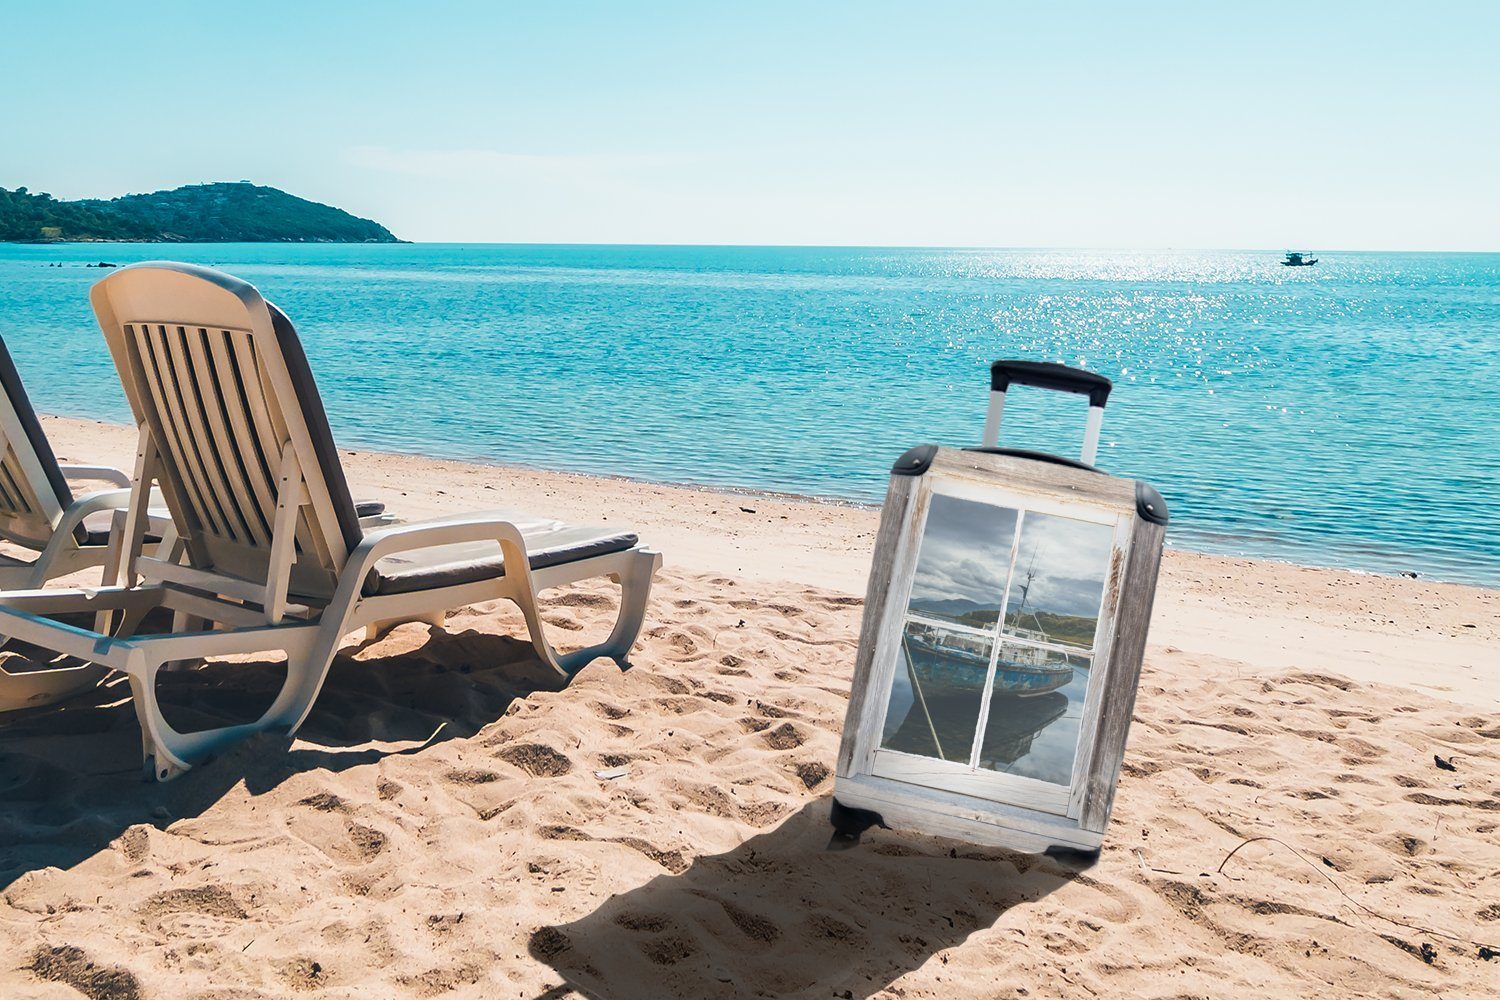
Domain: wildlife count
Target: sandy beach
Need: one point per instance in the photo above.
(1310, 802)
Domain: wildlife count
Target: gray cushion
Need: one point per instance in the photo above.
(317, 426)
(96, 528)
(96, 525)
(548, 543)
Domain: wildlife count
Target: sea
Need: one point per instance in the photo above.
(1345, 414)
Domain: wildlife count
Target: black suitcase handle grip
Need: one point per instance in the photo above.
(1049, 375)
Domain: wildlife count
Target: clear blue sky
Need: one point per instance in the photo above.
(1324, 124)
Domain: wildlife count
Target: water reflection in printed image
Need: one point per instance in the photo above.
(935, 697)
(936, 714)
(1050, 724)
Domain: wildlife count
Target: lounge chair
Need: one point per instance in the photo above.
(38, 510)
(52, 532)
(39, 513)
(232, 428)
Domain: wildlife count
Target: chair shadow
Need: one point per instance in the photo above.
(781, 915)
(70, 775)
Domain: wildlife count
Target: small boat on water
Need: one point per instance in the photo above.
(1296, 258)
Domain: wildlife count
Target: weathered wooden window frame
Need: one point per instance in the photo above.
(952, 798)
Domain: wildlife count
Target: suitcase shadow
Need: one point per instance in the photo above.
(781, 915)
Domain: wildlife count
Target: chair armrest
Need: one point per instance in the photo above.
(92, 503)
(101, 473)
(479, 527)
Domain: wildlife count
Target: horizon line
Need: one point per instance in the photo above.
(746, 246)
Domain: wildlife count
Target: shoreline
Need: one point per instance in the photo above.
(1239, 612)
(813, 499)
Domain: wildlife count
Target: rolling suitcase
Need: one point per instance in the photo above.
(1004, 626)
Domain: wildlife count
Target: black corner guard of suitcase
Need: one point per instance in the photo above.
(849, 824)
(1148, 502)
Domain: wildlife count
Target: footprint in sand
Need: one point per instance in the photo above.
(304, 974)
(812, 773)
(563, 620)
(672, 861)
(205, 911)
(784, 737)
(582, 599)
(135, 843)
(324, 802)
(71, 966)
(645, 923)
(365, 842)
(536, 759)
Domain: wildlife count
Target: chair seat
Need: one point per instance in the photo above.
(96, 525)
(548, 543)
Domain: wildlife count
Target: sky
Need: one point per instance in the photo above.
(1330, 125)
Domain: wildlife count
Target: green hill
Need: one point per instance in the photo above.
(199, 213)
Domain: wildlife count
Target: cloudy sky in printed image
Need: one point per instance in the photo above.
(965, 553)
(965, 556)
(1070, 559)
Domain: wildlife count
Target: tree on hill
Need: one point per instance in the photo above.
(199, 213)
(27, 217)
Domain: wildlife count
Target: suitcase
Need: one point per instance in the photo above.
(1004, 626)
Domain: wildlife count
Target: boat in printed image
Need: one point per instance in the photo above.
(946, 660)
(959, 661)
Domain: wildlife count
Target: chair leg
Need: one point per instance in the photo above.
(377, 630)
(167, 753)
(635, 592)
(184, 622)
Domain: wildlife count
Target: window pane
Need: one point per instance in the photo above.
(935, 698)
(1036, 707)
(963, 562)
(1055, 594)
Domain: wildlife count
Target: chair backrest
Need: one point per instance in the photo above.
(219, 383)
(33, 491)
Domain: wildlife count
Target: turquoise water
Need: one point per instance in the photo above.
(1341, 415)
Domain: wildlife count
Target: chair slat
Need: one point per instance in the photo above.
(215, 486)
(12, 497)
(224, 442)
(164, 396)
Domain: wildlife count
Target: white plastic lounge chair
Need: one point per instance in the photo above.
(40, 514)
(233, 429)
(38, 511)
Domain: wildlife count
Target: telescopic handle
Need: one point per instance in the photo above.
(1049, 375)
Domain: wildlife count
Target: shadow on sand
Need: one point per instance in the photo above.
(70, 774)
(781, 915)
